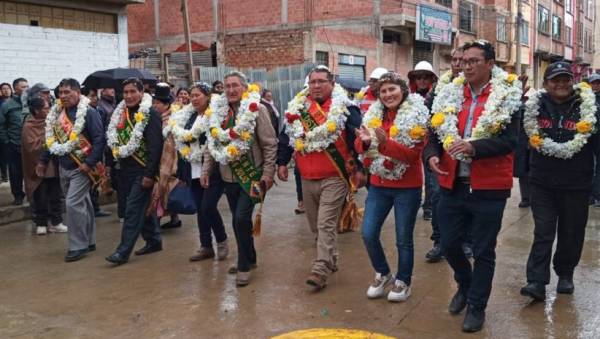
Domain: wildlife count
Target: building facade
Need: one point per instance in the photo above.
(47, 40)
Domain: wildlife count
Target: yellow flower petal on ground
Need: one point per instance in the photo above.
(139, 117)
(185, 151)
(232, 151)
(438, 119)
(72, 136)
(214, 132)
(331, 127)
(536, 141)
(448, 141)
(374, 123)
(50, 141)
(417, 132)
(245, 136)
(583, 127)
(459, 81)
(299, 145)
(511, 78)
(245, 95)
(394, 131)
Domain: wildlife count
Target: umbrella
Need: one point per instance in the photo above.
(113, 78)
(351, 85)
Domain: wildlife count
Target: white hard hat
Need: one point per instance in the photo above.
(378, 72)
(422, 67)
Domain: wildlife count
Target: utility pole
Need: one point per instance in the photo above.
(518, 38)
(188, 41)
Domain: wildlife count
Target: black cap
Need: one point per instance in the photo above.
(163, 93)
(558, 68)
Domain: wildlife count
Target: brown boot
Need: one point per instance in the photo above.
(203, 254)
(222, 250)
(317, 281)
(242, 279)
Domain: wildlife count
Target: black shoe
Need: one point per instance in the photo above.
(565, 285)
(17, 202)
(524, 204)
(534, 290)
(170, 224)
(458, 302)
(91, 248)
(149, 249)
(102, 213)
(116, 258)
(76, 255)
(468, 251)
(435, 254)
(427, 214)
(474, 319)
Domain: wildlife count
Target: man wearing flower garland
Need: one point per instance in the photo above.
(242, 140)
(471, 150)
(135, 137)
(320, 124)
(561, 123)
(74, 134)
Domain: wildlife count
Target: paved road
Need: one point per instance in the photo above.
(164, 296)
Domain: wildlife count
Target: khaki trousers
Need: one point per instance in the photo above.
(323, 201)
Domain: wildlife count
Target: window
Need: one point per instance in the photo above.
(587, 43)
(569, 36)
(524, 38)
(556, 28)
(543, 20)
(447, 3)
(580, 33)
(501, 28)
(467, 16)
(569, 5)
(322, 58)
(54, 17)
(590, 10)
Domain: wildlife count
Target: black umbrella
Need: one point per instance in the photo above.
(113, 78)
(351, 85)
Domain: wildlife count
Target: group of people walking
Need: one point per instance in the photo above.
(457, 136)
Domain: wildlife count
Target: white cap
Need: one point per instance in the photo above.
(422, 67)
(378, 72)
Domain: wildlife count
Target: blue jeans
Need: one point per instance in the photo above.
(406, 202)
(460, 211)
(136, 222)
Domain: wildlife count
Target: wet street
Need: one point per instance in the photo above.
(163, 295)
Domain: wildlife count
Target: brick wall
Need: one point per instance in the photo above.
(264, 49)
(47, 55)
(141, 22)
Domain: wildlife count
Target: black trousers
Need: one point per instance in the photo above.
(241, 207)
(15, 171)
(47, 203)
(561, 214)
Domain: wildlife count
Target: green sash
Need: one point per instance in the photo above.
(124, 131)
(334, 154)
(245, 172)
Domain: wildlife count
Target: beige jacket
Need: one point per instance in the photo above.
(264, 150)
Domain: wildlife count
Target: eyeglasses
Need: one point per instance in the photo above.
(470, 62)
(315, 82)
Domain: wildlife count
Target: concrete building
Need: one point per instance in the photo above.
(596, 63)
(47, 40)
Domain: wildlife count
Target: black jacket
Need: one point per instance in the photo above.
(285, 151)
(154, 144)
(556, 173)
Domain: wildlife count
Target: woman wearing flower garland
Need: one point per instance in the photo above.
(183, 96)
(562, 125)
(390, 142)
(135, 138)
(187, 128)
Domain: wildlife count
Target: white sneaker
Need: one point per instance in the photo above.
(377, 288)
(400, 292)
(60, 228)
(40, 230)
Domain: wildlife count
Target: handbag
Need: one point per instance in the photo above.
(181, 201)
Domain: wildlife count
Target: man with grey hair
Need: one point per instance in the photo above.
(246, 173)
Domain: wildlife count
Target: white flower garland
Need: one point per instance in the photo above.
(73, 143)
(227, 145)
(409, 128)
(320, 137)
(444, 80)
(185, 139)
(503, 101)
(141, 117)
(585, 126)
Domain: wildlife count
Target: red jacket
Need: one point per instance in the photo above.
(487, 173)
(367, 101)
(413, 177)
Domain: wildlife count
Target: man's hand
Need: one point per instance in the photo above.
(360, 179)
(204, 181)
(40, 169)
(266, 182)
(381, 136)
(85, 169)
(434, 165)
(461, 146)
(147, 183)
(364, 135)
(282, 173)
